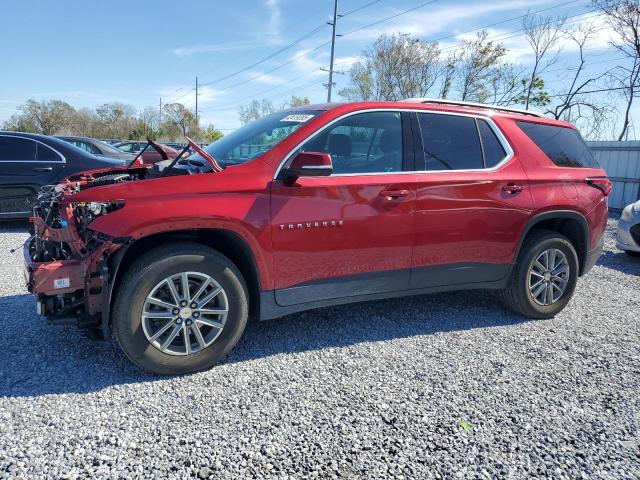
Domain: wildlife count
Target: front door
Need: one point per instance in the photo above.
(349, 234)
(472, 202)
(25, 165)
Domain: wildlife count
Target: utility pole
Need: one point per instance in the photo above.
(333, 48)
(160, 114)
(196, 102)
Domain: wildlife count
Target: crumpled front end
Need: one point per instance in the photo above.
(66, 263)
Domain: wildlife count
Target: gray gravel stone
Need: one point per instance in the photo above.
(438, 386)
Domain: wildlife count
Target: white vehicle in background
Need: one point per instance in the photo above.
(628, 234)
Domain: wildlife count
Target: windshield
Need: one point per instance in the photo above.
(257, 137)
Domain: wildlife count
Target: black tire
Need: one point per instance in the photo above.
(517, 296)
(140, 279)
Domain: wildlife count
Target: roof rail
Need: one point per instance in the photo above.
(442, 101)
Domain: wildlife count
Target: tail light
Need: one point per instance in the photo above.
(601, 183)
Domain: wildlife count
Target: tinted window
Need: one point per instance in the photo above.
(46, 154)
(362, 143)
(491, 146)
(564, 146)
(450, 142)
(17, 149)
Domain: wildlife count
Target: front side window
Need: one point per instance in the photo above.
(450, 142)
(369, 142)
(14, 149)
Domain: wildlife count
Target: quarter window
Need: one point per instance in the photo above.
(450, 142)
(368, 142)
(564, 146)
(17, 149)
(46, 154)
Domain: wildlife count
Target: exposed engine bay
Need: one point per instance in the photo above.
(68, 265)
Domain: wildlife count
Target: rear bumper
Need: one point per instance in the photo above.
(592, 257)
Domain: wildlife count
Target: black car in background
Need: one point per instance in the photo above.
(28, 161)
(97, 147)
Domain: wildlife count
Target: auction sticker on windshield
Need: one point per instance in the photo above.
(298, 118)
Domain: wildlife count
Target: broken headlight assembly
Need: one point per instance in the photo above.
(87, 212)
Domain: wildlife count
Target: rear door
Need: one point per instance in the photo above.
(351, 233)
(472, 201)
(25, 165)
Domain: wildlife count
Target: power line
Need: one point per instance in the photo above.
(366, 5)
(268, 57)
(378, 22)
(519, 32)
(293, 59)
(505, 21)
(601, 90)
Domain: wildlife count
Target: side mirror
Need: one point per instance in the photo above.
(309, 164)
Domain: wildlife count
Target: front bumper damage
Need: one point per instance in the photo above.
(69, 271)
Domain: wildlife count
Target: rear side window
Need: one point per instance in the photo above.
(450, 142)
(493, 150)
(17, 149)
(564, 146)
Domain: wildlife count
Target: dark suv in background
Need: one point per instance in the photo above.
(314, 206)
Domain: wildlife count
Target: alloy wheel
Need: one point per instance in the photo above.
(548, 277)
(184, 313)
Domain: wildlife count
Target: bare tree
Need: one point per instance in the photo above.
(542, 34)
(624, 18)
(117, 118)
(255, 110)
(361, 87)
(573, 104)
(180, 116)
(48, 116)
(395, 67)
(448, 71)
(476, 68)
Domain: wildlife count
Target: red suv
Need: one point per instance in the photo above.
(314, 206)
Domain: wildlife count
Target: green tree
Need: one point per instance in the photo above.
(298, 101)
(212, 134)
(46, 117)
(181, 117)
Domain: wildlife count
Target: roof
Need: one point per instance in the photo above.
(439, 105)
(476, 105)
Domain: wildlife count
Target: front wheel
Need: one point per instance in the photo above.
(180, 309)
(544, 277)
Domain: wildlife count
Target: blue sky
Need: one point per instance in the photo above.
(91, 52)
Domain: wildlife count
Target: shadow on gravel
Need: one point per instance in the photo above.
(37, 358)
(14, 226)
(620, 261)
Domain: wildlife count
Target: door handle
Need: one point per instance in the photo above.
(512, 188)
(43, 169)
(394, 194)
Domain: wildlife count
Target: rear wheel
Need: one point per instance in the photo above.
(180, 309)
(544, 277)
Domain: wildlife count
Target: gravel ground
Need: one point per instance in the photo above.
(440, 386)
